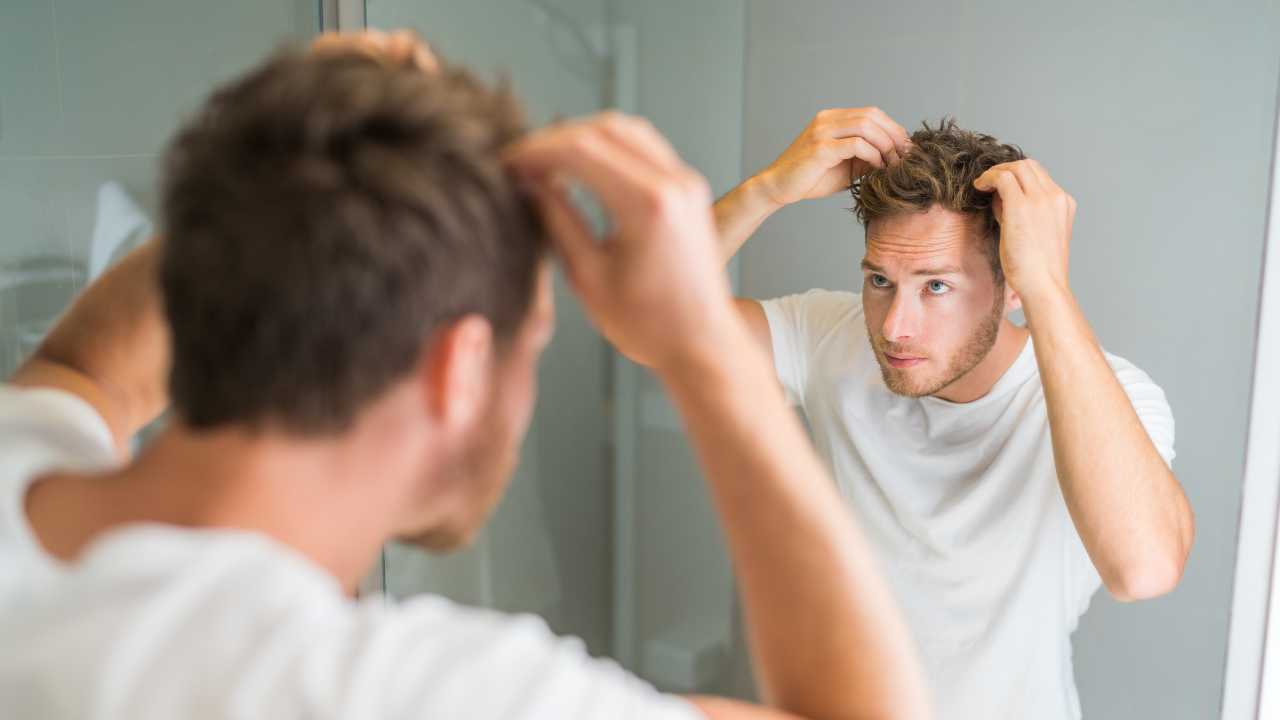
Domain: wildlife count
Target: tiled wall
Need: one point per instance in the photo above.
(90, 91)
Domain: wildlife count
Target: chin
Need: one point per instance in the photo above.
(442, 539)
(902, 382)
(897, 387)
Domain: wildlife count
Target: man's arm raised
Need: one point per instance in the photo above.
(111, 347)
(827, 640)
(1129, 509)
(837, 146)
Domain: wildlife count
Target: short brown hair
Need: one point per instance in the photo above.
(939, 169)
(323, 216)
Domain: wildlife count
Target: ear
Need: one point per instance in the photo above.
(1012, 302)
(459, 371)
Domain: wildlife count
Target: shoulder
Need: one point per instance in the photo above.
(1130, 375)
(54, 424)
(183, 613)
(43, 431)
(815, 310)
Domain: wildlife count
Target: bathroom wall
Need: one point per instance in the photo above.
(89, 93)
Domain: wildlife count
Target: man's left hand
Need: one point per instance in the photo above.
(1035, 217)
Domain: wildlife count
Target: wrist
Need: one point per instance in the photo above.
(722, 348)
(1044, 297)
(758, 193)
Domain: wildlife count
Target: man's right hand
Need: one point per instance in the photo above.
(654, 287)
(838, 146)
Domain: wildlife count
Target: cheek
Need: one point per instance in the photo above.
(875, 308)
(953, 320)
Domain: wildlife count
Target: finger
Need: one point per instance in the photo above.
(579, 151)
(1002, 181)
(571, 235)
(840, 126)
(897, 134)
(408, 47)
(1043, 176)
(1027, 178)
(402, 46)
(1008, 190)
(900, 136)
(857, 147)
(336, 42)
(640, 138)
(986, 181)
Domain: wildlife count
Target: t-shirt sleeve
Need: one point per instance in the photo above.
(1157, 419)
(429, 658)
(42, 430)
(797, 325)
(1150, 403)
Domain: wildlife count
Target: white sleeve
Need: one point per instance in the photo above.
(45, 425)
(797, 324)
(43, 430)
(1151, 405)
(1157, 419)
(430, 658)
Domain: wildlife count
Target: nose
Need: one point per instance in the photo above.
(903, 321)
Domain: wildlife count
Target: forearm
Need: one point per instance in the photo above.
(739, 214)
(1126, 504)
(111, 346)
(825, 634)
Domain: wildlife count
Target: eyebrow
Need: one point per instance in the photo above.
(943, 270)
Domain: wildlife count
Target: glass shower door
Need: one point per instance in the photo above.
(89, 94)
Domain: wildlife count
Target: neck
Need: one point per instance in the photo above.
(975, 384)
(334, 501)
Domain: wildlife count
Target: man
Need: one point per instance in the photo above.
(1002, 472)
(350, 299)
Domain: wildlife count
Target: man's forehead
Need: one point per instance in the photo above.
(928, 236)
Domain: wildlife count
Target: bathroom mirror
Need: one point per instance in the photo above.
(1252, 685)
(1157, 118)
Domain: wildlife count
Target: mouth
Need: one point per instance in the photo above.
(902, 361)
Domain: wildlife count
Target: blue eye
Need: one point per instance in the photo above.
(937, 287)
(879, 281)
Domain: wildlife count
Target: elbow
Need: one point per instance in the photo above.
(1160, 571)
(1146, 584)
(1147, 579)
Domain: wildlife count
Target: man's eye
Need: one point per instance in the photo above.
(937, 287)
(879, 281)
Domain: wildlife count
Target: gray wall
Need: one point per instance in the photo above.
(1157, 117)
(89, 93)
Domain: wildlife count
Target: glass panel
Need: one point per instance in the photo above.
(89, 94)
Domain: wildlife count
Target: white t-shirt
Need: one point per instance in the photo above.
(963, 505)
(41, 431)
(156, 621)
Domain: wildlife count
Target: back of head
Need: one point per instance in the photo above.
(939, 169)
(323, 215)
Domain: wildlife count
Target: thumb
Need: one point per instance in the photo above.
(570, 235)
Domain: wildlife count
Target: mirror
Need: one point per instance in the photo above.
(1157, 119)
(1252, 685)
